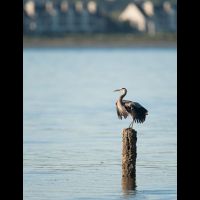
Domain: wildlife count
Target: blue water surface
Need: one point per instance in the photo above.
(72, 136)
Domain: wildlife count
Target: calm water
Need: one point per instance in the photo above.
(72, 136)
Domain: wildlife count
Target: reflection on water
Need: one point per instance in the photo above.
(128, 185)
(72, 136)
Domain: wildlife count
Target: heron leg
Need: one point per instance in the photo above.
(131, 124)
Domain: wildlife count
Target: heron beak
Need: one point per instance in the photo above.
(116, 90)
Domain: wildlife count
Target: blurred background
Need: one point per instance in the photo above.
(110, 20)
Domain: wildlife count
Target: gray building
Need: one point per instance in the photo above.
(59, 17)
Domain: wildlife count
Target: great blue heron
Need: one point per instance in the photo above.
(125, 108)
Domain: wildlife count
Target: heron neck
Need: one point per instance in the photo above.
(122, 96)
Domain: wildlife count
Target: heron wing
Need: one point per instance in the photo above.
(118, 112)
(121, 110)
(138, 111)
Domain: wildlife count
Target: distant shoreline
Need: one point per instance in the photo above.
(101, 40)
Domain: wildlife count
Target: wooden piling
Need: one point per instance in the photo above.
(129, 154)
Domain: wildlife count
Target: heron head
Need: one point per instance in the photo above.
(123, 90)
